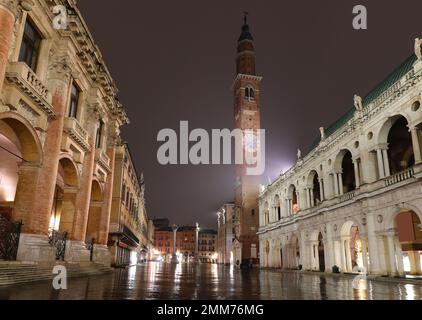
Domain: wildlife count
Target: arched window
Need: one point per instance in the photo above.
(348, 169)
(249, 93)
(400, 147)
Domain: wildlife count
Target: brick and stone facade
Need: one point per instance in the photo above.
(128, 239)
(246, 90)
(59, 126)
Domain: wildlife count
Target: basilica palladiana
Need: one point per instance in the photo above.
(354, 202)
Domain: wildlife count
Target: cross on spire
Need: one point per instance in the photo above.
(245, 17)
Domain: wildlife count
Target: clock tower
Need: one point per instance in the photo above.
(246, 90)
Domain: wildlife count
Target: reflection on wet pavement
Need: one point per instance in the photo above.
(205, 281)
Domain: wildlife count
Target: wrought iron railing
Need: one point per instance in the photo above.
(58, 240)
(9, 238)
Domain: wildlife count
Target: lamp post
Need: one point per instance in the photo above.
(196, 243)
(174, 256)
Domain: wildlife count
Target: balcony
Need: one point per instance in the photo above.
(399, 177)
(26, 80)
(103, 159)
(76, 132)
(348, 196)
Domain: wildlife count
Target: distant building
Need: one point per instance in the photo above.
(226, 234)
(128, 238)
(185, 242)
(207, 246)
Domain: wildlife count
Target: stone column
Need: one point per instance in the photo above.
(312, 199)
(399, 254)
(343, 255)
(364, 241)
(380, 164)
(8, 13)
(196, 242)
(357, 175)
(76, 247)
(416, 145)
(174, 255)
(336, 189)
(101, 252)
(340, 183)
(415, 262)
(34, 241)
(321, 188)
(25, 196)
(386, 163)
(348, 255)
(391, 253)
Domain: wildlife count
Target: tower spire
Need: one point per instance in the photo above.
(245, 17)
(245, 49)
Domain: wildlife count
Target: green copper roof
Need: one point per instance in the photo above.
(245, 35)
(398, 73)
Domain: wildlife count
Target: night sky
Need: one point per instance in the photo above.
(175, 60)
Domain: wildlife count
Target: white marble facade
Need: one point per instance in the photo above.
(340, 204)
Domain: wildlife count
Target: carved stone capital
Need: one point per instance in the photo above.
(12, 6)
(59, 69)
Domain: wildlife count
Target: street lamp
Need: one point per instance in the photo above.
(174, 256)
(196, 243)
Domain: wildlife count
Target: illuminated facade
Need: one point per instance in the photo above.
(59, 130)
(227, 231)
(207, 246)
(355, 201)
(128, 239)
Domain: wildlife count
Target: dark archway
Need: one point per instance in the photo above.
(348, 173)
(321, 253)
(400, 147)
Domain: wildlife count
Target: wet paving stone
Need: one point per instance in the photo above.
(205, 281)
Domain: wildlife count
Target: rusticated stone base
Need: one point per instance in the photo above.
(35, 248)
(102, 255)
(76, 252)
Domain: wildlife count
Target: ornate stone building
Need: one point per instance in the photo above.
(59, 128)
(207, 246)
(128, 240)
(227, 232)
(356, 199)
(246, 90)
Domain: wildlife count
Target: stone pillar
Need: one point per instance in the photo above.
(399, 254)
(321, 188)
(336, 189)
(196, 243)
(25, 196)
(340, 183)
(311, 197)
(380, 164)
(8, 13)
(76, 249)
(34, 241)
(343, 255)
(392, 253)
(386, 163)
(174, 255)
(364, 241)
(348, 255)
(357, 175)
(415, 262)
(101, 252)
(416, 145)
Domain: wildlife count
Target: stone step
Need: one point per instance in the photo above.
(16, 273)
